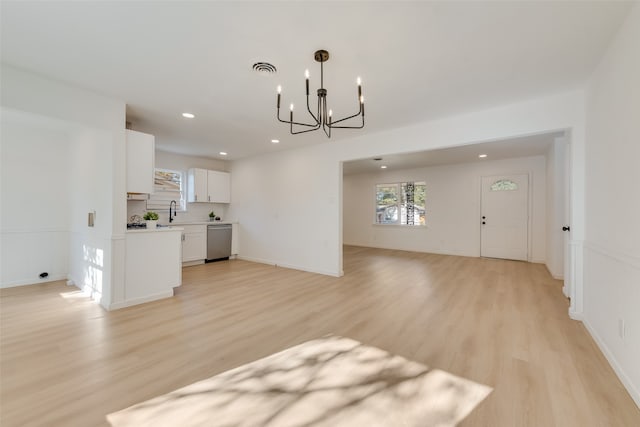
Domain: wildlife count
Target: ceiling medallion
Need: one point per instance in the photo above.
(323, 118)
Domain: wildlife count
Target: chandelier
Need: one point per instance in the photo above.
(323, 117)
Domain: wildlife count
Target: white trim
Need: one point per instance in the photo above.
(118, 236)
(289, 266)
(136, 301)
(575, 288)
(192, 263)
(34, 230)
(555, 276)
(633, 391)
(30, 282)
(434, 251)
(616, 255)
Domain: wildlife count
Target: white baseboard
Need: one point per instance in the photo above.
(434, 251)
(192, 263)
(576, 315)
(633, 391)
(136, 301)
(289, 266)
(28, 282)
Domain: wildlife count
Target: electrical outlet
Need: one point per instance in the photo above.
(622, 328)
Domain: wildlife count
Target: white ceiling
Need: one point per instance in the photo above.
(417, 60)
(525, 146)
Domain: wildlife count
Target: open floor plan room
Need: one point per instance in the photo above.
(502, 324)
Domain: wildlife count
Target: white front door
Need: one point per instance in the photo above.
(504, 217)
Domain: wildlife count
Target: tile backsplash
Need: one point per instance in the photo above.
(194, 212)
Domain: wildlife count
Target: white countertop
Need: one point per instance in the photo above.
(154, 230)
(176, 223)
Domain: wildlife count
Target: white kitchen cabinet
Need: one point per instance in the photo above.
(218, 187)
(209, 186)
(197, 186)
(194, 243)
(140, 162)
(152, 266)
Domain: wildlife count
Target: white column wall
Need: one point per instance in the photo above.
(95, 125)
(612, 238)
(555, 160)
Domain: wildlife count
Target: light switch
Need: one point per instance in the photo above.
(91, 218)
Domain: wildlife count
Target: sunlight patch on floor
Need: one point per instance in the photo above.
(331, 381)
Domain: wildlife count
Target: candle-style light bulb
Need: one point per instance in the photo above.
(362, 104)
(359, 81)
(330, 113)
(361, 99)
(291, 107)
(279, 90)
(306, 74)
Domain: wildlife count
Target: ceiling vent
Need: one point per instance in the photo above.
(264, 68)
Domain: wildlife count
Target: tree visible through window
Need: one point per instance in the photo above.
(401, 203)
(168, 186)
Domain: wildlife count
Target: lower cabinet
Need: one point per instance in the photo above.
(152, 267)
(194, 242)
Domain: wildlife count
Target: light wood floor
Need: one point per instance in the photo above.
(65, 361)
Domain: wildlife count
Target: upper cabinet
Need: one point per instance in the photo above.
(209, 186)
(140, 162)
(219, 187)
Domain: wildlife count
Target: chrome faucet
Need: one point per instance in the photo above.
(175, 207)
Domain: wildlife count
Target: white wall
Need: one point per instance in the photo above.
(35, 200)
(195, 211)
(96, 170)
(555, 203)
(289, 204)
(612, 238)
(90, 159)
(453, 207)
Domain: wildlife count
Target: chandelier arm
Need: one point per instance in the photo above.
(355, 115)
(349, 127)
(309, 110)
(303, 131)
(292, 122)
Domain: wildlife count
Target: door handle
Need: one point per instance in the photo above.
(566, 228)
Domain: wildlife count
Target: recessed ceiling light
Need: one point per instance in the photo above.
(275, 141)
(223, 153)
(188, 115)
(482, 156)
(383, 167)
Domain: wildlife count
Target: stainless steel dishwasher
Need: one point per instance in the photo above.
(218, 241)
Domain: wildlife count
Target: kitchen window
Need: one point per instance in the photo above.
(168, 185)
(401, 203)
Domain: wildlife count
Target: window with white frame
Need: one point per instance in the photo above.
(168, 185)
(401, 203)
